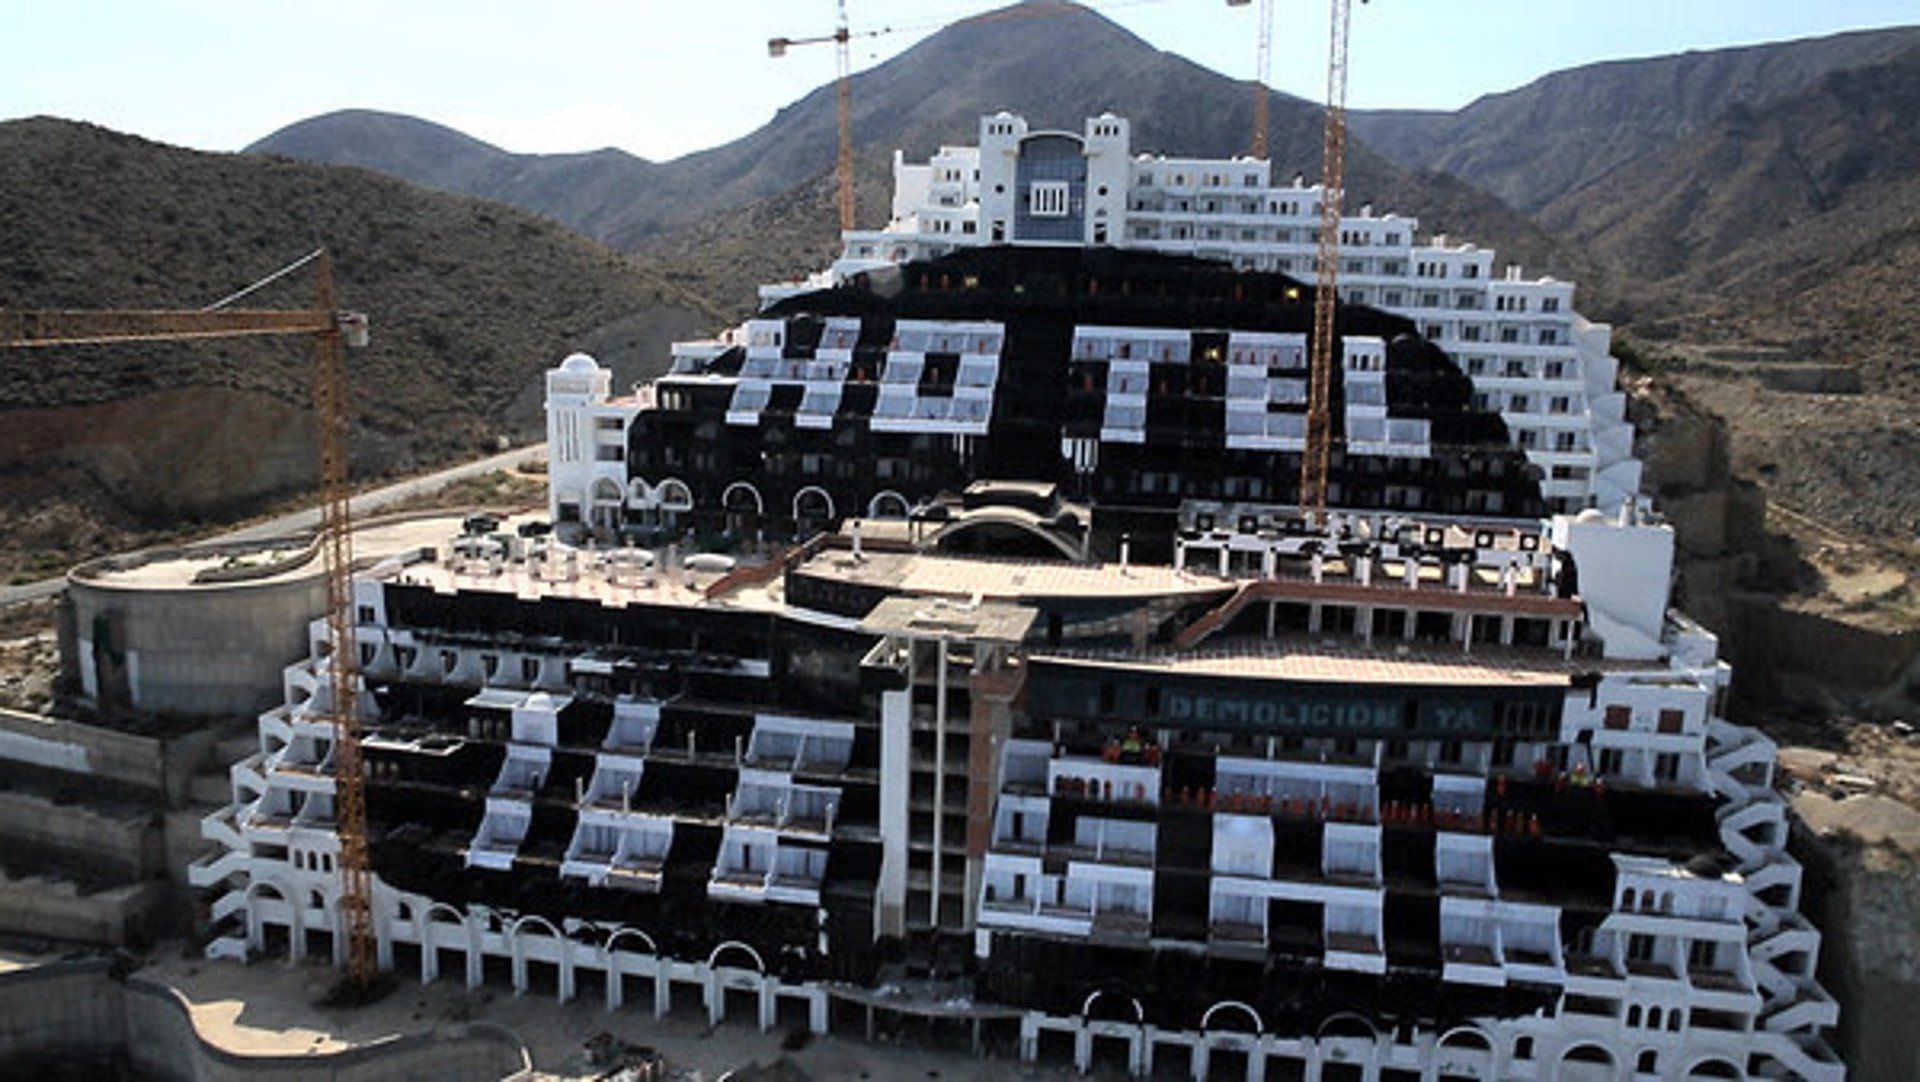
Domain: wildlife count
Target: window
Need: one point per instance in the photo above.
(1619, 717)
(1047, 199)
(1640, 948)
(1672, 720)
(529, 669)
(1701, 954)
(367, 615)
(1611, 761)
(1666, 767)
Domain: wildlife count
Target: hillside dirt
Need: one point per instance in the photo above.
(104, 448)
(29, 656)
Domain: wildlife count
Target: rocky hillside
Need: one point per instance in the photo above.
(1057, 63)
(469, 302)
(1538, 143)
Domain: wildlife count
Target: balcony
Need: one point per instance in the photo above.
(523, 773)
(1089, 779)
(799, 744)
(633, 728)
(615, 780)
(498, 840)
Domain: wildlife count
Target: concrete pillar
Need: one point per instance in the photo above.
(716, 997)
(476, 961)
(615, 989)
(568, 978)
(1202, 1059)
(816, 1010)
(1139, 1052)
(662, 991)
(768, 1005)
(1082, 1048)
(429, 956)
(1226, 557)
(1029, 1038)
(519, 963)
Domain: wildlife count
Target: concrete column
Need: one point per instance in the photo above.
(1029, 1038)
(429, 955)
(568, 979)
(1226, 557)
(662, 991)
(716, 997)
(1202, 1059)
(615, 989)
(476, 958)
(768, 1005)
(816, 1010)
(382, 945)
(1082, 1048)
(519, 963)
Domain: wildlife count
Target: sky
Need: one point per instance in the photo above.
(661, 78)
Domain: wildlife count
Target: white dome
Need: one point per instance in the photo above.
(580, 363)
(1591, 514)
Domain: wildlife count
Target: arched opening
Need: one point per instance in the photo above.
(812, 511)
(639, 493)
(743, 507)
(445, 936)
(1714, 1068)
(537, 942)
(992, 533)
(608, 500)
(1585, 1063)
(736, 955)
(1232, 1015)
(671, 499)
(1108, 1006)
(888, 504)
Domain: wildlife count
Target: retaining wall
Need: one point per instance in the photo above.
(78, 1013)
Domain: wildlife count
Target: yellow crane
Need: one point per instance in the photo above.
(842, 39)
(1333, 152)
(331, 329)
(1262, 67)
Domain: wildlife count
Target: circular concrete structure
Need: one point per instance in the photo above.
(206, 631)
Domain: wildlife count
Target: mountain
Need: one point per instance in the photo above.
(1544, 140)
(469, 302)
(1058, 63)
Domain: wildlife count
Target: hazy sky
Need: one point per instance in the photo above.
(662, 78)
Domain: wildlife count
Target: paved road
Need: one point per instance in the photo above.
(304, 521)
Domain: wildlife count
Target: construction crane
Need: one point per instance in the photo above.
(1262, 67)
(1333, 151)
(331, 329)
(842, 39)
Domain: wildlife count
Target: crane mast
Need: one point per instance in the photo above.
(1314, 459)
(842, 39)
(332, 329)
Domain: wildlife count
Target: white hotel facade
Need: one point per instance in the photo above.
(1546, 369)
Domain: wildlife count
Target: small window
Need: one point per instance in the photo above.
(1619, 717)
(1671, 721)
